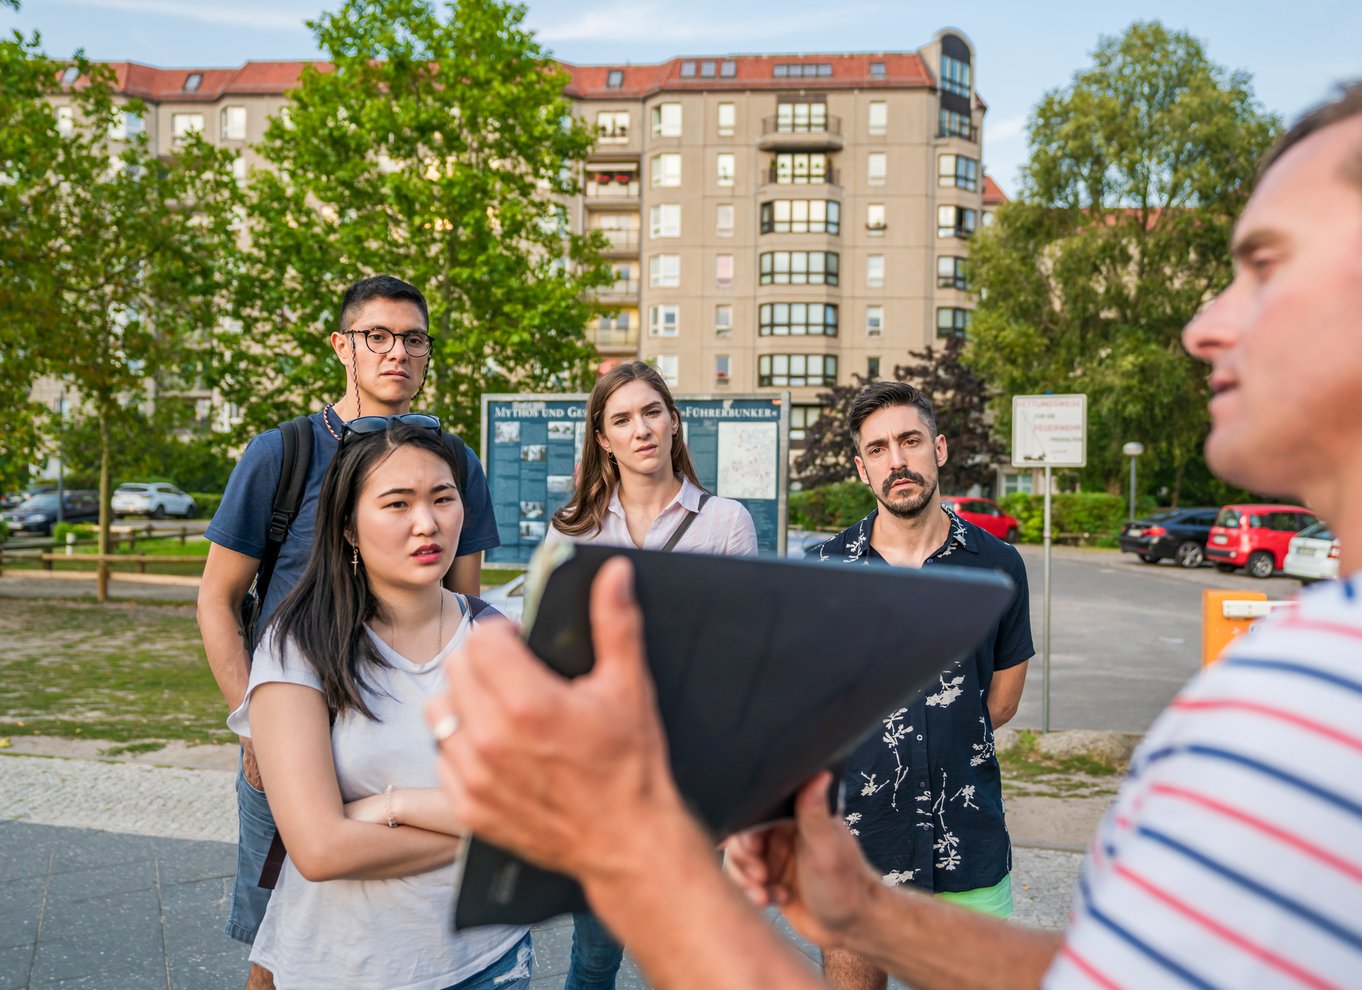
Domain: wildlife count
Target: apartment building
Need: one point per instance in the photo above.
(774, 221)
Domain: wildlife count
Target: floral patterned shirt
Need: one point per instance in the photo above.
(923, 791)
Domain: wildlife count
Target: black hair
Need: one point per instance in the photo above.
(378, 287)
(882, 395)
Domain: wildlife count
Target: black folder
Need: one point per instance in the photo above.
(767, 671)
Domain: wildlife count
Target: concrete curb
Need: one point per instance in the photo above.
(1111, 749)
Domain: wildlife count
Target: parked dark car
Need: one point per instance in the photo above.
(1173, 534)
(37, 514)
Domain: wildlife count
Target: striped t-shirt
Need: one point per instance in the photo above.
(1233, 854)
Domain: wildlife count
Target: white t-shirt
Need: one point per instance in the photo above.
(390, 933)
(724, 527)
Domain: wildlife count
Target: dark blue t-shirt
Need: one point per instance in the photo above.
(242, 521)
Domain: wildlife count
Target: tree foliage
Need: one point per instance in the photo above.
(1120, 233)
(961, 399)
(115, 262)
(439, 148)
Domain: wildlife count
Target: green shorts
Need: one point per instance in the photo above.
(995, 900)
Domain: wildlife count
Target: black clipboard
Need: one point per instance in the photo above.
(767, 671)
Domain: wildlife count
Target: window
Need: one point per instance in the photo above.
(666, 170)
(662, 320)
(1015, 482)
(723, 220)
(669, 367)
(233, 123)
(707, 69)
(874, 321)
(797, 320)
(958, 171)
(613, 125)
(664, 271)
(804, 70)
(800, 169)
(728, 69)
(954, 221)
(184, 124)
(664, 220)
(955, 76)
(952, 321)
(70, 74)
(798, 268)
(876, 70)
(879, 117)
(801, 118)
(872, 367)
(956, 125)
(667, 120)
(723, 368)
(874, 271)
(874, 219)
(801, 216)
(617, 321)
(614, 79)
(987, 219)
(126, 126)
(876, 168)
(723, 271)
(687, 69)
(239, 170)
(66, 121)
(728, 119)
(724, 168)
(788, 370)
(801, 418)
(192, 82)
(952, 273)
(723, 320)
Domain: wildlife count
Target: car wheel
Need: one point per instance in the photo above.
(1189, 554)
(1149, 558)
(190, 510)
(1261, 564)
(1012, 535)
(158, 511)
(1226, 568)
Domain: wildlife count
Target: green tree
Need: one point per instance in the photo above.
(1120, 233)
(438, 146)
(116, 262)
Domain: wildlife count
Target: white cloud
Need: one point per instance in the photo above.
(229, 14)
(626, 21)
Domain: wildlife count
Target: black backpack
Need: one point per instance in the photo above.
(288, 495)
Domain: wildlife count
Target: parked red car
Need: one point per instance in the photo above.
(984, 513)
(1255, 537)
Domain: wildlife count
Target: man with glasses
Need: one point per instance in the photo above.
(384, 344)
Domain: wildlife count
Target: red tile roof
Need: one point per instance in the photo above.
(993, 193)
(167, 85)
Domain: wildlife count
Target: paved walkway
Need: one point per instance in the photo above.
(117, 876)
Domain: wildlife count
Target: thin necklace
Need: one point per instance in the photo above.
(326, 420)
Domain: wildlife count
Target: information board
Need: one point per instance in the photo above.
(1050, 430)
(532, 444)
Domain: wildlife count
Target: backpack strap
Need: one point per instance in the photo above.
(684, 524)
(477, 607)
(288, 496)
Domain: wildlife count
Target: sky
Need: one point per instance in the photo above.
(1294, 52)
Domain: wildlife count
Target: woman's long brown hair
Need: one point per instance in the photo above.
(597, 477)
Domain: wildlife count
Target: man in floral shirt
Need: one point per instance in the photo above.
(923, 794)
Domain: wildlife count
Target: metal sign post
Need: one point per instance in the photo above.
(1049, 431)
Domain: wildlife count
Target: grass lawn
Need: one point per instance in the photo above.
(126, 673)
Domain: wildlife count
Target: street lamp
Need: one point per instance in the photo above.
(1132, 450)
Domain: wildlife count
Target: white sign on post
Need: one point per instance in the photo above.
(1049, 430)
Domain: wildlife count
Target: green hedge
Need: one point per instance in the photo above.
(206, 503)
(83, 531)
(1098, 514)
(835, 506)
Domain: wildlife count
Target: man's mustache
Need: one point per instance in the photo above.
(902, 474)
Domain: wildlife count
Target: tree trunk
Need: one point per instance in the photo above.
(1177, 483)
(105, 457)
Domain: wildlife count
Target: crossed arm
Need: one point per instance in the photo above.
(574, 776)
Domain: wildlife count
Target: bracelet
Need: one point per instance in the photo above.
(388, 805)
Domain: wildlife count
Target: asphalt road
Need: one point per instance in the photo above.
(1126, 635)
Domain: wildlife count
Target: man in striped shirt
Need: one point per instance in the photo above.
(1233, 854)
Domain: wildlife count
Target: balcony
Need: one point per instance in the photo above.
(624, 288)
(618, 241)
(816, 133)
(966, 133)
(612, 339)
(827, 177)
(612, 189)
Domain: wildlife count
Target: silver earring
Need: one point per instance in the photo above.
(354, 559)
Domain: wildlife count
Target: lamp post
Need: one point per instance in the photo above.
(1132, 450)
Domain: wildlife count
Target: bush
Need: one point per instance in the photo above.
(83, 531)
(834, 506)
(4, 531)
(1099, 515)
(206, 503)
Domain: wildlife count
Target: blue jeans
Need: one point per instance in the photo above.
(511, 972)
(596, 955)
(255, 832)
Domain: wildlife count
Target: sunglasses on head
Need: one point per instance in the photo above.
(363, 425)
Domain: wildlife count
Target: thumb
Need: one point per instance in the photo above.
(811, 805)
(617, 623)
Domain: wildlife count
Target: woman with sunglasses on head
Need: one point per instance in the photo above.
(636, 487)
(334, 706)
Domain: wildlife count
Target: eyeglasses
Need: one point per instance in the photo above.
(379, 340)
(362, 425)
